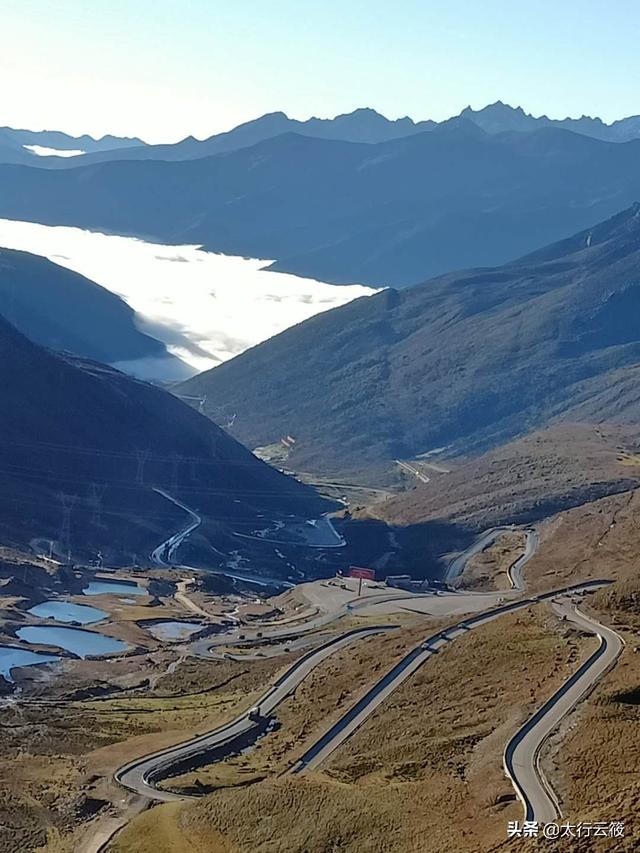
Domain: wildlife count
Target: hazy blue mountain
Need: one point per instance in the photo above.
(500, 117)
(362, 125)
(62, 310)
(468, 359)
(12, 151)
(393, 213)
(65, 142)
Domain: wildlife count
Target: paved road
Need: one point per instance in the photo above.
(412, 469)
(372, 599)
(182, 598)
(163, 554)
(522, 753)
(342, 605)
(514, 572)
(356, 716)
(460, 602)
(487, 538)
(316, 533)
(141, 775)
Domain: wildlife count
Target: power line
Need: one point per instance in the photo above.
(115, 454)
(136, 513)
(233, 491)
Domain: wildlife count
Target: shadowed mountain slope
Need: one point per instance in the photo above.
(82, 429)
(469, 359)
(62, 310)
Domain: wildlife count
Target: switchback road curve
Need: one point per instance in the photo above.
(488, 537)
(141, 775)
(362, 710)
(522, 753)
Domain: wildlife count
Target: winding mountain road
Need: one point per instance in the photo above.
(141, 775)
(326, 745)
(522, 753)
(484, 541)
(163, 554)
(413, 469)
(521, 756)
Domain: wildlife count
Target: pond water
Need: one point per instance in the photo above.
(113, 588)
(75, 640)
(65, 611)
(173, 630)
(11, 657)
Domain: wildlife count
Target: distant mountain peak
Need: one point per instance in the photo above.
(364, 111)
(497, 107)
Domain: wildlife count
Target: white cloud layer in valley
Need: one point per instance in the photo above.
(204, 306)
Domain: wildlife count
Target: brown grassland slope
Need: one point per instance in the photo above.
(57, 756)
(544, 472)
(425, 772)
(326, 693)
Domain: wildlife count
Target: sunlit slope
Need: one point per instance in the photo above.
(468, 360)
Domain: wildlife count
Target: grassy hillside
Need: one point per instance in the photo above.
(464, 361)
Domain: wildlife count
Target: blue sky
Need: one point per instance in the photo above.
(165, 69)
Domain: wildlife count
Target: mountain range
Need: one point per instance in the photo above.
(16, 145)
(393, 213)
(57, 140)
(360, 125)
(468, 360)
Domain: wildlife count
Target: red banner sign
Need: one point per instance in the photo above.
(365, 574)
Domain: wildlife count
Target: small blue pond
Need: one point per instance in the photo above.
(75, 640)
(113, 588)
(11, 657)
(173, 630)
(64, 611)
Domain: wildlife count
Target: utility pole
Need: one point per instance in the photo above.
(97, 491)
(142, 456)
(67, 502)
